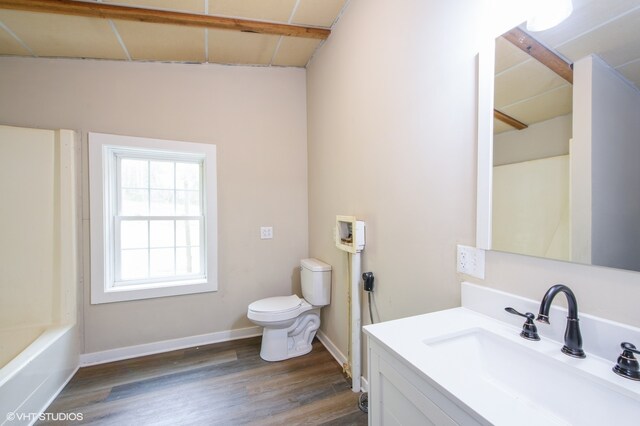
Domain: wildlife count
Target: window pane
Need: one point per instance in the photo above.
(188, 176)
(187, 233)
(162, 203)
(134, 202)
(188, 203)
(134, 234)
(161, 233)
(134, 264)
(134, 173)
(188, 261)
(161, 174)
(162, 262)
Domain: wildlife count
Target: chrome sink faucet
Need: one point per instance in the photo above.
(572, 337)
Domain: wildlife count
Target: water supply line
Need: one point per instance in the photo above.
(346, 367)
(356, 322)
(350, 237)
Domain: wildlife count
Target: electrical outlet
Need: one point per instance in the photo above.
(470, 261)
(266, 232)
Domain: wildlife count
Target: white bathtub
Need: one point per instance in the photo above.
(39, 285)
(14, 341)
(30, 381)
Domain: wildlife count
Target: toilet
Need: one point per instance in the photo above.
(290, 323)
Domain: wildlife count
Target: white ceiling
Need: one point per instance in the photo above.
(51, 35)
(530, 92)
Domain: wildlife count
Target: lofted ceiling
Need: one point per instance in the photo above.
(530, 92)
(35, 34)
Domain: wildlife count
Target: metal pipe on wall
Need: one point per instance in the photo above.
(356, 322)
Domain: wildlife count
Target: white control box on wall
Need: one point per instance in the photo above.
(349, 234)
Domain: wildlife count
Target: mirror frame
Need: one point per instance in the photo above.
(484, 192)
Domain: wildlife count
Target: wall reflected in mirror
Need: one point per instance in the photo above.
(567, 186)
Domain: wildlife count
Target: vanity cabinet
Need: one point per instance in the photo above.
(398, 395)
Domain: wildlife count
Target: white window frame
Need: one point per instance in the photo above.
(103, 152)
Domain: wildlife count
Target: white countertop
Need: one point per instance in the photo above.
(414, 341)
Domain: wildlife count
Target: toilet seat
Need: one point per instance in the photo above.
(278, 308)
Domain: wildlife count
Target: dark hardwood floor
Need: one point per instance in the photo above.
(220, 384)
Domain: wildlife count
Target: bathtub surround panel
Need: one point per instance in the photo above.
(28, 250)
(256, 118)
(39, 353)
(531, 208)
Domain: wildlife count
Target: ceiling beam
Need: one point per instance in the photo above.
(127, 13)
(547, 57)
(509, 120)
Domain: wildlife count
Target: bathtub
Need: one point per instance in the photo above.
(39, 284)
(14, 341)
(32, 378)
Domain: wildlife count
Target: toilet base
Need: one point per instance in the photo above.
(283, 343)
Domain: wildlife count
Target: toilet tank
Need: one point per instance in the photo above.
(315, 276)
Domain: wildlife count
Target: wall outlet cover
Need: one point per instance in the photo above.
(470, 261)
(266, 232)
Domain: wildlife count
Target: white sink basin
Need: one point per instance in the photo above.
(499, 378)
(483, 362)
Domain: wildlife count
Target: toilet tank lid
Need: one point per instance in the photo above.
(315, 265)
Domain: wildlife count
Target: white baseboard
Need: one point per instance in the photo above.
(364, 384)
(118, 354)
(339, 357)
(332, 348)
(128, 352)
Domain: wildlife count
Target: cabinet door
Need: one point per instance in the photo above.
(395, 401)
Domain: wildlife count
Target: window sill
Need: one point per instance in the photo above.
(152, 290)
(154, 285)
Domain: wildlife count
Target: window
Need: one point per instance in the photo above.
(153, 218)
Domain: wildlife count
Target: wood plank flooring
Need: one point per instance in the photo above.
(220, 384)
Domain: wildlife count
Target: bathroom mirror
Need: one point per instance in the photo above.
(567, 186)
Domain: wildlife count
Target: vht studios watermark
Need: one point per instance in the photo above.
(51, 417)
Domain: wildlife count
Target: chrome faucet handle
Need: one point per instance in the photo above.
(529, 329)
(627, 365)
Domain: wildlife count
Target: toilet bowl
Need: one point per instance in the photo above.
(289, 322)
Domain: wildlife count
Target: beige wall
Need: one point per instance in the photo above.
(391, 118)
(392, 139)
(255, 116)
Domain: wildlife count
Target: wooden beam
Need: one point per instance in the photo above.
(509, 120)
(127, 13)
(547, 57)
